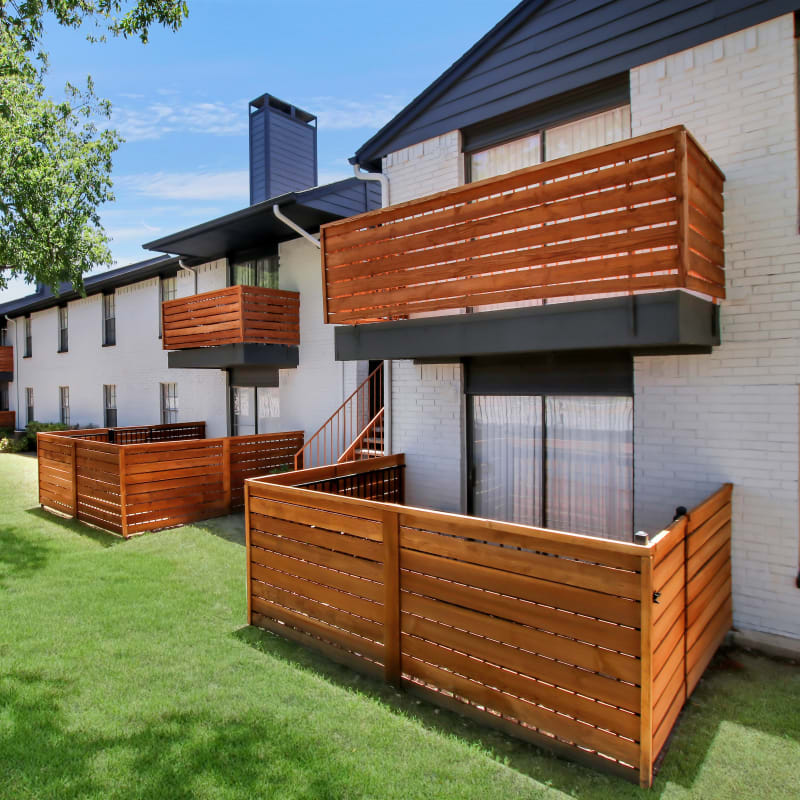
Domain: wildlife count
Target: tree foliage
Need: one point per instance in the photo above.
(56, 156)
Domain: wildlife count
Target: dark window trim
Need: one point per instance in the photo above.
(559, 110)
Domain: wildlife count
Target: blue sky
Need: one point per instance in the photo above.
(181, 100)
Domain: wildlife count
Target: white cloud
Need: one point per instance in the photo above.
(232, 184)
(334, 113)
(136, 233)
(157, 119)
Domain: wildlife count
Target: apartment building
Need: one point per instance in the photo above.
(224, 327)
(586, 284)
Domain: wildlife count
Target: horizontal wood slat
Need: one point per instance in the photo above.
(602, 221)
(8, 419)
(230, 316)
(6, 358)
(161, 481)
(539, 632)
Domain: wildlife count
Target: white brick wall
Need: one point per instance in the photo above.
(733, 415)
(430, 166)
(428, 426)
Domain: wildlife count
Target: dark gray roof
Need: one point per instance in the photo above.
(105, 281)
(257, 225)
(545, 48)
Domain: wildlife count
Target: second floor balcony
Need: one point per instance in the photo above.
(6, 363)
(235, 326)
(619, 223)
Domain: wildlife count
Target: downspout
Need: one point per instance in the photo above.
(192, 270)
(387, 365)
(16, 371)
(276, 209)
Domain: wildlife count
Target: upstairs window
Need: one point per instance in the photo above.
(3, 395)
(549, 143)
(28, 338)
(63, 329)
(261, 272)
(29, 405)
(109, 320)
(3, 337)
(63, 402)
(168, 291)
(110, 406)
(169, 403)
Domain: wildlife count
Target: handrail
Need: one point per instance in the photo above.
(337, 434)
(355, 451)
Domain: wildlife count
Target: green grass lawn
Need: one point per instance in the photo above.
(127, 671)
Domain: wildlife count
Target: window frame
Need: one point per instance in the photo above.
(30, 410)
(63, 329)
(162, 281)
(109, 394)
(168, 395)
(109, 331)
(28, 335)
(63, 407)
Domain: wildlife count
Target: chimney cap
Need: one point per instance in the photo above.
(276, 103)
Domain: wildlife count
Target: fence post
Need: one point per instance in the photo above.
(646, 632)
(682, 179)
(123, 492)
(247, 552)
(74, 478)
(226, 473)
(392, 667)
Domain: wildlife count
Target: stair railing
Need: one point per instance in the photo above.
(349, 423)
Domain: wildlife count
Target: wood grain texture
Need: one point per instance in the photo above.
(230, 316)
(6, 358)
(642, 214)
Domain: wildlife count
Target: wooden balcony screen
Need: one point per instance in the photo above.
(6, 358)
(230, 316)
(585, 646)
(642, 214)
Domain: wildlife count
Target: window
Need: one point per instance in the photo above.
(110, 406)
(3, 395)
(254, 409)
(109, 320)
(169, 291)
(563, 462)
(63, 329)
(29, 405)
(550, 143)
(169, 403)
(261, 272)
(28, 339)
(63, 401)
(3, 336)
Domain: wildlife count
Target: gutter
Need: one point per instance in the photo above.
(374, 176)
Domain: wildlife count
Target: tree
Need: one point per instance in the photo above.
(56, 157)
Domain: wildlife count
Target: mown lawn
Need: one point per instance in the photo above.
(126, 671)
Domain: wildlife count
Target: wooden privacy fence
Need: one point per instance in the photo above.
(6, 358)
(131, 488)
(552, 637)
(136, 434)
(232, 315)
(642, 214)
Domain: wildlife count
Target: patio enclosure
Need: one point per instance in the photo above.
(586, 646)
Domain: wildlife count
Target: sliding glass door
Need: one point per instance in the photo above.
(563, 462)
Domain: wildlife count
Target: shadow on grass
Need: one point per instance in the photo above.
(20, 556)
(103, 538)
(732, 691)
(171, 755)
(229, 528)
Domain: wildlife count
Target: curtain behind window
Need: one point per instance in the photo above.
(261, 272)
(507, 458)
(590, 465)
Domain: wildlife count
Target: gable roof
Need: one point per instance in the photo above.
(544, 48)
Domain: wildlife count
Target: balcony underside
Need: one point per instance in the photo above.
(239, 355)
(6, 376)
(661, 323)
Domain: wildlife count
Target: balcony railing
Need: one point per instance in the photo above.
(230, 316)
(6, 359)
(640, 215)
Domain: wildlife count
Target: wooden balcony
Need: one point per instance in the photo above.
(236, 315)
(6, 362)
(641, 215)
(8, 420)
